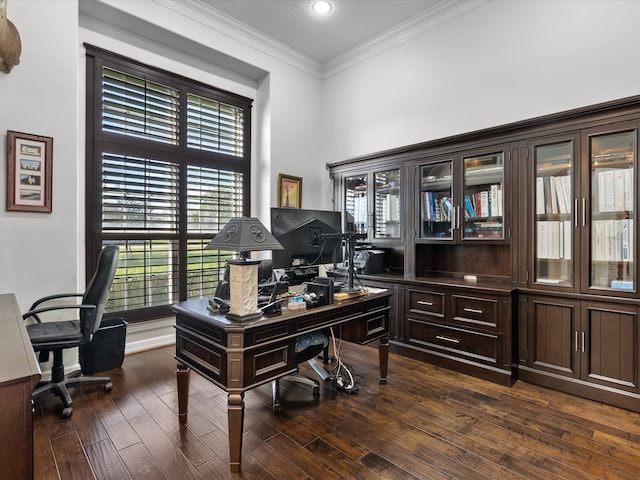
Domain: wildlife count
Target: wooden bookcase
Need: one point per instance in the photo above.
(517, 251)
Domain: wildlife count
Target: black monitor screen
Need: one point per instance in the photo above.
(301, 234)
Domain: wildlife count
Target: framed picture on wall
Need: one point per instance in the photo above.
(289, 191)
(29, 169)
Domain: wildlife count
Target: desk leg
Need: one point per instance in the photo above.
(183, 374)
(383, 354)
(235, 412)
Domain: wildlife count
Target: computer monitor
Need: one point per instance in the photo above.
(305, 236)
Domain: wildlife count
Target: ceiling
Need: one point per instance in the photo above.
(323, 38)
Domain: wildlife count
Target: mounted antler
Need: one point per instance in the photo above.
(10, 45)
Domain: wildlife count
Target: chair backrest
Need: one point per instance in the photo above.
(98, 288)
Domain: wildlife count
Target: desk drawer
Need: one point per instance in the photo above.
(200, 353)
(478, 312)
(459, 342)
(425, 302)
(367, 328)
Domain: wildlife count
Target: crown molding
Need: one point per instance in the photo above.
(201, 13)
(209, 17)
(441, 13)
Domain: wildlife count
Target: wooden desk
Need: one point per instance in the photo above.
(19, 374)
(238, 356)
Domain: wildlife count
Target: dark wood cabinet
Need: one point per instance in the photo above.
(19, 374)
(460, 326)
(585, 347)
(518, 258)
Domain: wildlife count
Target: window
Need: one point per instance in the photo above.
(168, 165)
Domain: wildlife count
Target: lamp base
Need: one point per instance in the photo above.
(243, 290)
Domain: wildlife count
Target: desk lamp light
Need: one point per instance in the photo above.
(244, 235)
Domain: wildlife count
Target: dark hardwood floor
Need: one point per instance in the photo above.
(427, 423)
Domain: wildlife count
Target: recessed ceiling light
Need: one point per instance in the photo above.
(321, 7)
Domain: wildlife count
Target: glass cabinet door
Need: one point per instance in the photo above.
(355, 195)
(387, 204)
(554, 209)
(437, 214)
(612, 166)
(482, 197)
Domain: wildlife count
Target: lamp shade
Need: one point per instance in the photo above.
(244, 234)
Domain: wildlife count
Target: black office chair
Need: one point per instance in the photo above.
(57, 336)
(308, 347)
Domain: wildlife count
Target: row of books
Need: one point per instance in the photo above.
(612, 240)
(614, 190)
(553, 194)
(485, 203)
(553, 239)
(436, 208)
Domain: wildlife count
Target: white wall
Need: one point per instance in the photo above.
(501, 62)
(498, 63)
(42, 253)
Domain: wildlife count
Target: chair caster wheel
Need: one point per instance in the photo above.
(316, 392)
(67, 412)
(277, 408)
(108, 386)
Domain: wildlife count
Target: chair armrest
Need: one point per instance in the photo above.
(54, 297)
(35, 313)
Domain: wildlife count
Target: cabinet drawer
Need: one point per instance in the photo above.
(461, 343)
(424, 302)
(479, 312)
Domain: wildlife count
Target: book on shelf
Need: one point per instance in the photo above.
(622, 284)
(468, 206)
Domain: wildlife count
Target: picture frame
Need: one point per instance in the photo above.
(29, 172)
(289, 191)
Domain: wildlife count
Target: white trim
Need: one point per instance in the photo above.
(214, 19)
(421, 23)
(149, 334)
(208, 16)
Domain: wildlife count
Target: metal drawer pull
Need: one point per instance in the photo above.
(447, 339)
(473, 310)
(422, 302)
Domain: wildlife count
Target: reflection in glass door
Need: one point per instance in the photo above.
(437, 214)
(356, 202)
(553, 201)
(482, 200)
(612, 162)
(387, 204)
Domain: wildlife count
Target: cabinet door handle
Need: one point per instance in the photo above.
(458, 218)
(575, 212)
(584, 211)
(576, 343)
(423, 302)
(453, 218)
(583, 346)
(448, 339)
(473, 310)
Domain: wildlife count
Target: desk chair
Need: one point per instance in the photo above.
(57, 336)
(308, 347)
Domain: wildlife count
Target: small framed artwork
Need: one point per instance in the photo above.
(29, 168)
(289, 191)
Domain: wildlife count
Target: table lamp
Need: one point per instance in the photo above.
(244, 235)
